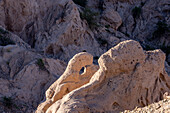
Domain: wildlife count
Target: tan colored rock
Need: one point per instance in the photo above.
(71, 79)
(127, 77)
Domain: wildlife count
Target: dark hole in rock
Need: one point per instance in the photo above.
(82, 70)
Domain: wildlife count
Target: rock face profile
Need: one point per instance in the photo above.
(127, 77)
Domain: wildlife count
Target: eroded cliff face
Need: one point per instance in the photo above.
(127, 77)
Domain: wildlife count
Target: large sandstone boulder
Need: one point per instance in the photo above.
(128, 77)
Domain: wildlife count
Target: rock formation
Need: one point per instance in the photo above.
(38, 38)
(127, 77)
